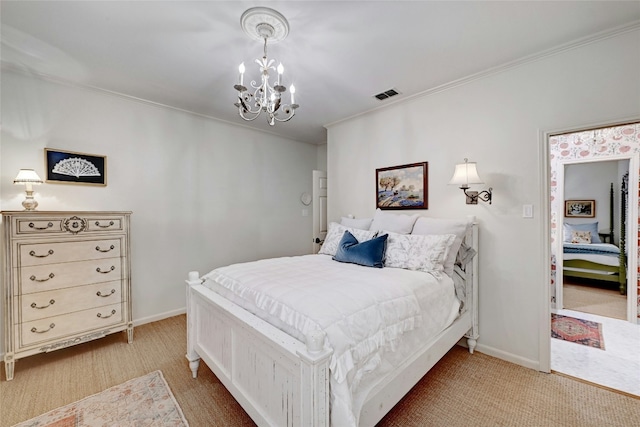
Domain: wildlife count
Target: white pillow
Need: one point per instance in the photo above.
(335, 233)
(396, 223)
(439, 226)
(418, 252)
(592, 227)
(360, 223)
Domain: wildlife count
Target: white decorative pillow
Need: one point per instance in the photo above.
(440, 226)
(418, 252)
(360, 223)
(335, 233)
(396, 223)
(580, 236)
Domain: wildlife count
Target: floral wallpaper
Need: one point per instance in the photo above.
(599, 143)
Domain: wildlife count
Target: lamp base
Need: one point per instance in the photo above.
(30, 204)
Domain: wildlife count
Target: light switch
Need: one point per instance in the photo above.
(527, 211)
(305, 212)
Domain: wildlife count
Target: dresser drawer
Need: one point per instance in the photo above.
(41, 305)
(57, 252)
(38, 225)
(104, 223)
(68, 324)
(40, 278)
(78, 223)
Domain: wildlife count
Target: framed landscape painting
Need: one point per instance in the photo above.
(69, 167)
(580, 208)
(402, 187)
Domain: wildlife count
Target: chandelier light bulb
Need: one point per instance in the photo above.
(241, 69)
(280, 71)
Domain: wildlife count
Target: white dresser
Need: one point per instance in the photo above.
(66, 280)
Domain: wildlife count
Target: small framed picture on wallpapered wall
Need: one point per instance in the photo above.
(580, 208)
(69, 167)
(403, 187)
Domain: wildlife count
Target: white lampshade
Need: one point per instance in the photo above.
(27, 176)
(465, 174)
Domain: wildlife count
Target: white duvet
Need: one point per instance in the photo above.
(364, 311)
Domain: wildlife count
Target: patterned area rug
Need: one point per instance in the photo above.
(144, 401)
(580, 331)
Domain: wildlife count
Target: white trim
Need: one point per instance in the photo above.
(545, 308)
(632, 231)
(70, 83)
(593, 38)
(544, 341)
(149, 319)
(632, 227)
(510, 357)
(159, 316)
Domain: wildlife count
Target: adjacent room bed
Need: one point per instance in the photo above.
(339, 337)
(586, 256)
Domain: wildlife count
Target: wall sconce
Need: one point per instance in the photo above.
(466, 174)
(28, 177)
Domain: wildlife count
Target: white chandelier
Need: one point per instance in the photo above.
(266, 24)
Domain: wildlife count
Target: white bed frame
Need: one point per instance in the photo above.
(280, 381)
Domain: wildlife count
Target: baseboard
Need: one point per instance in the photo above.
(148, 319)
(509, 357)
(160, 316)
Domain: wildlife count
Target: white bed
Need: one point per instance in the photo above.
(264, 330)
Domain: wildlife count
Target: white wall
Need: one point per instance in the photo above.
(498, 121)
(592, 181)
(204, 193)
(322, 157)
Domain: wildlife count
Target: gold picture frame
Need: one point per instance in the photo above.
(580, 208)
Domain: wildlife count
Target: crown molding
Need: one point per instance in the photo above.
(574, 44)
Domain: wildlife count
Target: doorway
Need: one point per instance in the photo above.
(591, 346)
(592, 265)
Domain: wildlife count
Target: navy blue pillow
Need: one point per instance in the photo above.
(369, 253)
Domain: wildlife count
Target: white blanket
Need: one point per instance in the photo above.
(364, 311)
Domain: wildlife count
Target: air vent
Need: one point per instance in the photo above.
(386, 94)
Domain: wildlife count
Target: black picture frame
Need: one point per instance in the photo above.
(70, 167)
(403, 187)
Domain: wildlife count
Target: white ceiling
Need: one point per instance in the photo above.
(338, 54)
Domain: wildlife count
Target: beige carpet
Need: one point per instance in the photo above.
(461, 390)
(589, 298)
(142, 401)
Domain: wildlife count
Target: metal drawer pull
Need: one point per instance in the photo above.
(51, 326)
(34, 305)
(33, 253)
(105, 250)
(106, 317)
(32, 225)
(113, 291)
(51, 276)
(113, 267)
(104, 226)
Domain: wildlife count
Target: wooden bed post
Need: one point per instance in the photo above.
(314, 375)
(472, 285)
(192, 356)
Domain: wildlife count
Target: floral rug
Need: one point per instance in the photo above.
(144, 401)
(585, 332)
